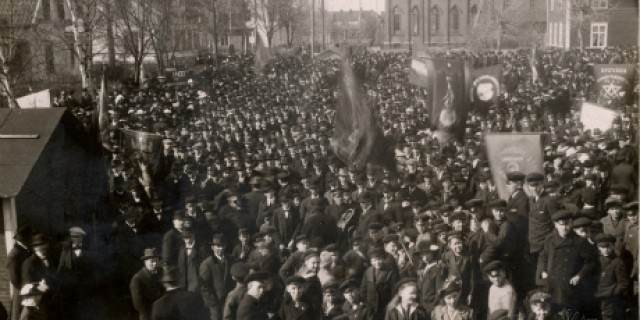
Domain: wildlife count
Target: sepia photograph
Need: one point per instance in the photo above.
(319, 159)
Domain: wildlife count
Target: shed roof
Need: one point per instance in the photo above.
(18, 156)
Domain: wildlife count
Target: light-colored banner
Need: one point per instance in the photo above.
(38, 100)
(595, 116)
(510, 152)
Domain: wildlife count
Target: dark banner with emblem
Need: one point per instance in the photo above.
(485, 87)
(614, 84)
(510, 152)
(451, 82)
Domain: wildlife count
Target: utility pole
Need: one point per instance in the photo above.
(359, 21)
(312, 25)
(322, 15)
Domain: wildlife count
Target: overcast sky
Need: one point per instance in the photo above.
(336, 5)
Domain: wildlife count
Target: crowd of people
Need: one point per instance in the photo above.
(247, 214)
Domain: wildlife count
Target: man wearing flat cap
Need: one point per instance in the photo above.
(250, 307)
(354, 307)
(367, 214)
(296, 308)
(614, 281)
(614, 223)
(564, 262)
(542, 207)
(146, 286)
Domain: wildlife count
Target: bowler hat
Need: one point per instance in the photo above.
(149, 253)
(239, 270)
(257, 276)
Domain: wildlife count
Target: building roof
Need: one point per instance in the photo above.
(18, 156)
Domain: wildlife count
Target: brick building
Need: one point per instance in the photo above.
(593, 23)
(441, 22)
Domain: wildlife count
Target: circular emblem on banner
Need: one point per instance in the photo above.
(612, 88)
(485, 88)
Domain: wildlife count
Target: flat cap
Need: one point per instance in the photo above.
(540, 297)
(562, 215)
(239, 270)
(581, 222)
(492, 266)
(515, 176)
(257, 276)
(497, 204)
(294, 279)
(535, 177)
(604, 239)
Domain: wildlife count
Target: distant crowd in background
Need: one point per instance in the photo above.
(247, 214)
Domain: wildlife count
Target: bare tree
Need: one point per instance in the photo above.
(294, 15)
(269, 16)
(165, 30)
(498, 21)
(131, 30)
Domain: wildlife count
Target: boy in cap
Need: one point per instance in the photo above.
(378, 282)
(250, 307)
(296, 259)
(331, 306)
(502, 296)
(295, 308)
(540, 306)
(614, 280)
(432, 273)
(614, 223)
(146, 286)
(460, 265)
(353, 307)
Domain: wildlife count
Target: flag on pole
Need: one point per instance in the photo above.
(450, 99)
(485, 87)
(533, 61)
(357, 138)
(614, 84)
(101, 118)
(510, 152)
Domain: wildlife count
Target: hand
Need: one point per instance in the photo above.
(281, 246)
(485, 226)
(544, 275)
(42, 286)
(574, 281)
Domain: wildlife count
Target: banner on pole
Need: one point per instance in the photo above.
(613, 84)
(421, 73)
(510, 152)
(451, 82)
(595, 116)
(38, 100)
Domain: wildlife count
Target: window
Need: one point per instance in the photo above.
(599, 4)
(415, 21)
(474, 14)
(60, 9)
(505, 4)
(455, 19)
(560, 4)
(46, 10)
(435, 20)
(49, 58)
(598, 35)
(396, 20)
(551, 5)
(224, 41)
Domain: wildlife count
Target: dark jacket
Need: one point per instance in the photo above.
(145, 288)
(288, 311)
(179, 305)
(562, 259)
(378, 291)
(540, 222)
(251, 309)
(614, 278)
(429, 283)
(216, 281)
